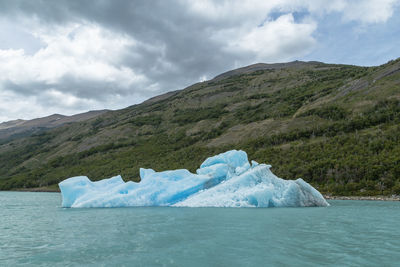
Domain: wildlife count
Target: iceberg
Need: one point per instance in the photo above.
(224, 180)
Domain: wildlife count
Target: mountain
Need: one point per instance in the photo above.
(336, 126)
(19, 128)
(263, 66)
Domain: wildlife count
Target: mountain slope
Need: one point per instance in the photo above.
(336, 126)
(18, 128)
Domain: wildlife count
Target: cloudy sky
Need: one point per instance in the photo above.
(73, 56)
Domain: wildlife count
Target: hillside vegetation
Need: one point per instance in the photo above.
(336, 126)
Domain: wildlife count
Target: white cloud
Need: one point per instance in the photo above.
(284, 38)
(81, 51)
(245, 31)
(245, 11)
(361, 11)
(277, 40)
(14, 106)
(364, 11)
(371, 11)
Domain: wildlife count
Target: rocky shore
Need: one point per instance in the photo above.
(38, 189)
(379, 198)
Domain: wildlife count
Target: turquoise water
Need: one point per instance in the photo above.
(35, 230)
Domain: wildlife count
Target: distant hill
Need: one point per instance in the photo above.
(336, 126)
(263, 66)
(20, 128)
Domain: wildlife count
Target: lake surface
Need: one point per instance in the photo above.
(35, 230)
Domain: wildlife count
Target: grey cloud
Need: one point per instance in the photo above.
(26, 89)
(81, 88)
(157, 23)
(94, 89)
(163, 24)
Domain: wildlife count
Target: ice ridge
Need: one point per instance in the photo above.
(224, 180)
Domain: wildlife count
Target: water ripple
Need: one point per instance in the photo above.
(34, 230)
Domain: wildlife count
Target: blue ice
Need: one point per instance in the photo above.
(224, 180)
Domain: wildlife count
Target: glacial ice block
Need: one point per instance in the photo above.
(224, 180)
(155, 189)
(258, 187)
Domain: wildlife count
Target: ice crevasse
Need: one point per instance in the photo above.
(224, 180)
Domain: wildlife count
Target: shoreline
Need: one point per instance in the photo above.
(371, 198)
(36, 189)
(327, 197)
